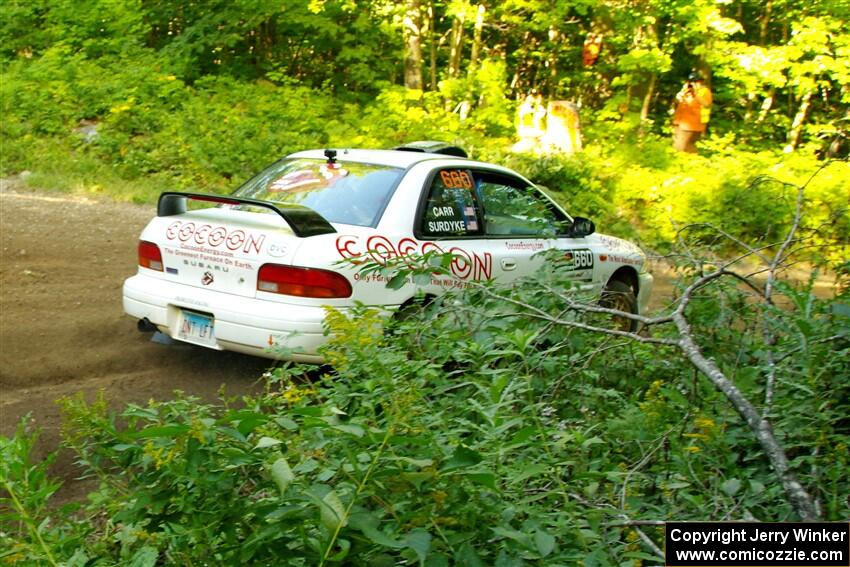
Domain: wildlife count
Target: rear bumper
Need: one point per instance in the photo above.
(242, 324)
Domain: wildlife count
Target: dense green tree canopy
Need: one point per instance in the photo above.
(771, 62)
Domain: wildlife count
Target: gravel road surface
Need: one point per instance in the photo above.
(63, 260)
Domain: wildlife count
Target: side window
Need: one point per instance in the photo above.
(450, 209)
(513, 209)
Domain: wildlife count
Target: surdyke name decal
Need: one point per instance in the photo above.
(188, 234)
(465, 265)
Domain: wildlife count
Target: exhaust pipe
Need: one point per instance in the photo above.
(145, 326)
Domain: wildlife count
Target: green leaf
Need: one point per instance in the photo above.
(523, 435)
(397, 281)
(641, 555)
(527, 472)
(467, 556)
(505, 560)
(79, 559)
(311, 411)
(265, 442)
(307, 466)
(144, 557)
(345, 547)
(333, 511)
(484, 478)
(282, 474)
(416, 462)
(592, 441)
(422, 279)
(355, 430)
(462, 457)
(544, 542)
(368, 525)
(731, 486)
(513, 534)
(251, 421)
(283, 512)
(417, 478)
(419, 541)
(437, 560)
(286, 423)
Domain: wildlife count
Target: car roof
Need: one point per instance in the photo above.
(400, 158)
(392, 158)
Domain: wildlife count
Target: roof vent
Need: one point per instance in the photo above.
(433, 147)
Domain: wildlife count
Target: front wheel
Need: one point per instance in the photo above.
(620, 296)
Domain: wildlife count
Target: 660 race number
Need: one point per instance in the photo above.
(580, 259)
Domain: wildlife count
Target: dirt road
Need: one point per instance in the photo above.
(63, 260)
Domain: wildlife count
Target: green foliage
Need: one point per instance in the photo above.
(27, 534)
(203, 98)
(468, 432)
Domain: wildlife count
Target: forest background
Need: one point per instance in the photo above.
(570, 446)
(138, 96)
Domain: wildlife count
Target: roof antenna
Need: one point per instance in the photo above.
(331, 155)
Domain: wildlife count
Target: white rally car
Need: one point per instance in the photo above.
(252, 271)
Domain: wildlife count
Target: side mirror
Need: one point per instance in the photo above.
(582, 227)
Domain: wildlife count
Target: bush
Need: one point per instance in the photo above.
(153, 131)
(473, 432)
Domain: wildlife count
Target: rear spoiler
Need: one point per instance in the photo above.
(303, 221)
(433, 147)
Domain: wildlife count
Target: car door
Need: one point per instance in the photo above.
(519, 222)
(449, 220)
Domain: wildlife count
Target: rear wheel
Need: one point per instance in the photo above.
(620, 296)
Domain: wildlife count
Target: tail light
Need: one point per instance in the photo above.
(149, 256)
(302, 282)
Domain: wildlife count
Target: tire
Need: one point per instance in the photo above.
(620, 295)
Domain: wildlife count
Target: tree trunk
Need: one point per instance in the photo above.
(472, 69)
(552, 63)
(797, 127)
(766, 105)
(764, 22)
(647, 99)
(797, 495)
(413, 45)
(456, 45)
(476, 42)
(432, 45)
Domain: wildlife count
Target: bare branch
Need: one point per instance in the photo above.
(646, 539)
(594, 308)
(746, 280)
(750, 250)
(761, 427)
(537, 313)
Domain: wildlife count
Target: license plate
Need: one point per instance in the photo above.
(196, 328)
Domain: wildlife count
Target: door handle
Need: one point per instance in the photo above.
(508, 264)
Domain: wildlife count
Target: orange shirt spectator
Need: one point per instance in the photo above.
(692, 113)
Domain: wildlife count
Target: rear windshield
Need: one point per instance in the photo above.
(348, 193)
